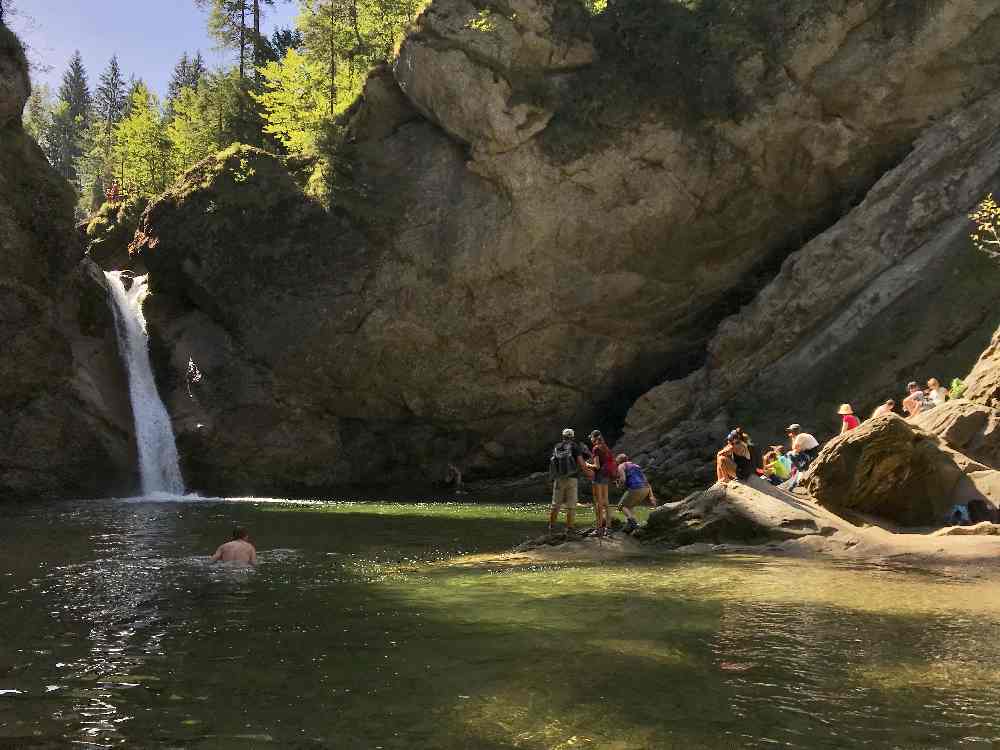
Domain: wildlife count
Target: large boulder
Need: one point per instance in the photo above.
(969, 428)
(754, 512)
(895, 471)
(65, 423)
(526, 240)
(983, 383)
(110, 231)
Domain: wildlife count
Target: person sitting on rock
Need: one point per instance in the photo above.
(804, 447)
(887, 408)
(936, 393)
(777, 467)
(238, 550)
(916, 400)
(565, 466)
(733, 461)
(605, 469)
(848, 420)
(637, 490)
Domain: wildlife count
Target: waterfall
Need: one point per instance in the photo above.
(158, 465)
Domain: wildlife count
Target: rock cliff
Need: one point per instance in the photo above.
(535, 220)
(64, 416)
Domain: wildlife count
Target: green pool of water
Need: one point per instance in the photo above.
(362, 628)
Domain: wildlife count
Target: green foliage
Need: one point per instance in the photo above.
(142, 151)
(958, 388)
(296, 101)
(986, 217)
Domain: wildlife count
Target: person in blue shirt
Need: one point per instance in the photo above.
(637, 490)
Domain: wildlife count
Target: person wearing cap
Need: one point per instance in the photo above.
(565, 467)
(805, 447)
(637, 490)
(733, 461)
(848, 420)
(916, 401)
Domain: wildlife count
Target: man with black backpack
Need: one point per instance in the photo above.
(565, 466)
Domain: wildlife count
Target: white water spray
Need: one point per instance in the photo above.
(158, 465)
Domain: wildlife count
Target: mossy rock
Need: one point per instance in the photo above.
(111, 230)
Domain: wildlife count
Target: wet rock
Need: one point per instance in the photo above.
(893, 470)
(64, 417)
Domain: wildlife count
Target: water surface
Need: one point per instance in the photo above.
(358, 630)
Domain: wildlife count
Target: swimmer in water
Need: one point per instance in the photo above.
(238, 550)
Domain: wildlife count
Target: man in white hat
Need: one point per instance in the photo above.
(805, 447)
(565, 466)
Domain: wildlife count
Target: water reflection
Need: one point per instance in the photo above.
(119, 632)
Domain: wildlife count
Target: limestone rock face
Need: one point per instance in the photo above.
(65, 424)
(891, 469)
(492, 271)
(890, 293)
(983, 383)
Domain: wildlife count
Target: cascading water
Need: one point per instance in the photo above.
(158, 466)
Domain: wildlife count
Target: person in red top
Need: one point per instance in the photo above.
(605, 469)
(847, 416)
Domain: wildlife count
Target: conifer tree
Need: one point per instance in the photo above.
(70, 120)
(109, 99)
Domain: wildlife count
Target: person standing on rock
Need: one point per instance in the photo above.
(565, 466)
(805, 447)
(605, 469)
(848, 420)
(637, 490)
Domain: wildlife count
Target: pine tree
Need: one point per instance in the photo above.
(109, 99)
(70, 120)
(74, 90)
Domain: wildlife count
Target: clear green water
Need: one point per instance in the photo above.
(359, 630)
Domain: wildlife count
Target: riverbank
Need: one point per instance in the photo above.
(757, 518)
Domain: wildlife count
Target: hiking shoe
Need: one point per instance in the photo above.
(630, 526)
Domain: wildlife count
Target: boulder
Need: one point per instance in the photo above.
(892, 470)
(755, 512)
(65, 422)
(967, 427)
(983, 383)
(109, 233)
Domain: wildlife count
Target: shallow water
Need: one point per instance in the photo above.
(357, 631)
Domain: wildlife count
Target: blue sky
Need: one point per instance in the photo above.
(148, 35)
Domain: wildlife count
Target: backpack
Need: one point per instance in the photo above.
(563, 462)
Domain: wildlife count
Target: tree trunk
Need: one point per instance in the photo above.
(243, 39)
(256, 39)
